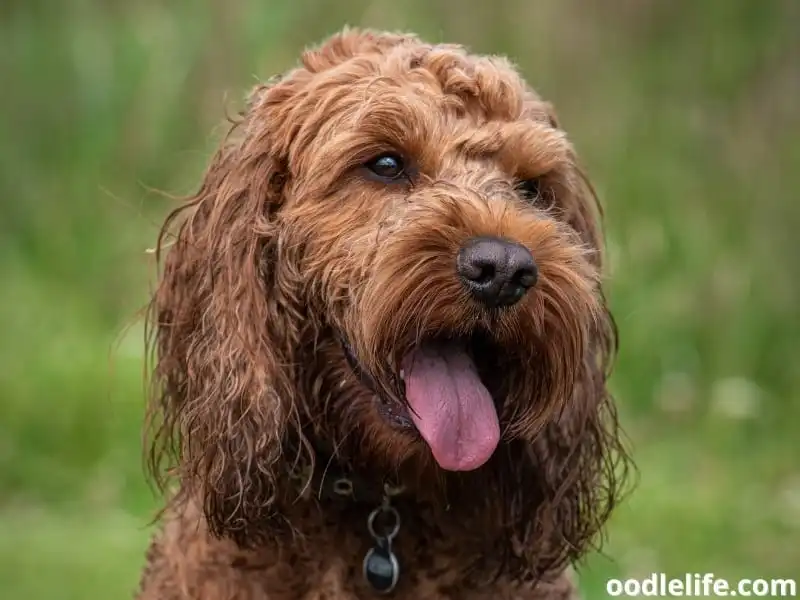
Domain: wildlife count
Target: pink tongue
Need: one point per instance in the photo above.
(451, 408)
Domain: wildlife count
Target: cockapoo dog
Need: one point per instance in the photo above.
(381, 343)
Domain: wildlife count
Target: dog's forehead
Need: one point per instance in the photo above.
(487, 87)
(430, 100)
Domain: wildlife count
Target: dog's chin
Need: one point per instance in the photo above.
(447, 391)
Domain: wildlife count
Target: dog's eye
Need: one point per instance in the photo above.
(530, 189)
(387, 166)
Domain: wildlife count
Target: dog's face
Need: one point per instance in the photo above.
(429, 203)
(399, 257)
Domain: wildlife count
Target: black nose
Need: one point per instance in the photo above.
(497, 272)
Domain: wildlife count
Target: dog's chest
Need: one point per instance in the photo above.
(327, 563)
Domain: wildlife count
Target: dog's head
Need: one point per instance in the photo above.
(397, 253)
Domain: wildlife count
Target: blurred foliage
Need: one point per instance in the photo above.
(686, 114)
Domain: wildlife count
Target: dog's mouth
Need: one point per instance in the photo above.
(451, 388)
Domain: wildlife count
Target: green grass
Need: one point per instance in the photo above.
(685, 114)
(52, 554)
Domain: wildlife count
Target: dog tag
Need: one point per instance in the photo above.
(381, 569)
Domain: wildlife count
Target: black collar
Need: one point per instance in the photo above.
(328, 478)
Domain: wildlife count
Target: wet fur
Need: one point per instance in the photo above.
(289, 247)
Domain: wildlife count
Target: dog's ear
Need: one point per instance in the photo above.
(222, 392)
(566, 482)
(576, 470)
(582, 466)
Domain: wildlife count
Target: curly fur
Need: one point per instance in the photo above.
(288, 248)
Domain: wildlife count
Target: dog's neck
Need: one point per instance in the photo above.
(347, 496)
(330, 481)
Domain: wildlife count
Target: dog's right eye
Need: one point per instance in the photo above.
(387, 166)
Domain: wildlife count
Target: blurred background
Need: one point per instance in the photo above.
(686, 115)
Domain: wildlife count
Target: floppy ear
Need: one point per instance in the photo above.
(581, 464)
(222, 390)
(576, 470)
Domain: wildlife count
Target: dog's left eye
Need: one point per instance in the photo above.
(387, 166)
(530, 189)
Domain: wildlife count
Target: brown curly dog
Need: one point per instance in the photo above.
(381, 342)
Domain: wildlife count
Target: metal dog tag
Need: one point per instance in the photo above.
(381, 569)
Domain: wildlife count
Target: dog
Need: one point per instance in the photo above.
(380, 342)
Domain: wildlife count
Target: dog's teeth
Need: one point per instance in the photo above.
(402, 374)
